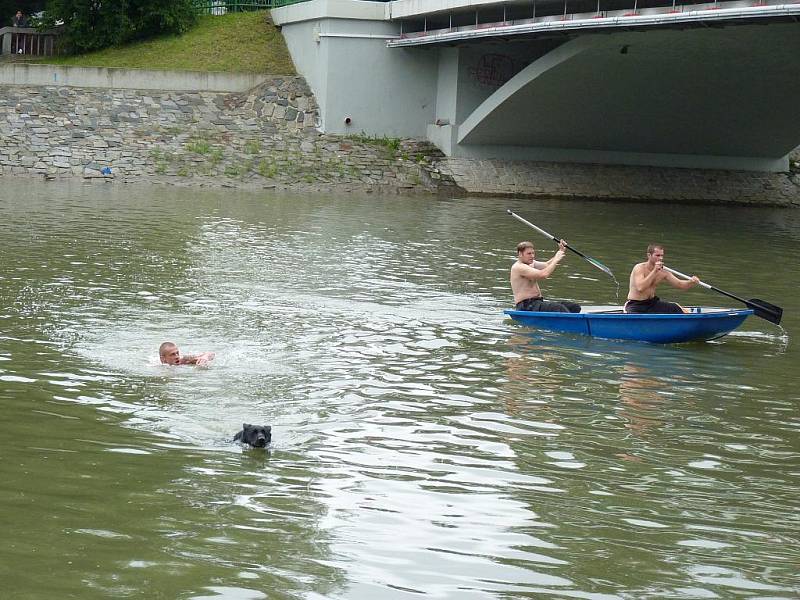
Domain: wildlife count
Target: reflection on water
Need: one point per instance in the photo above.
(641, 397)
(423, 444)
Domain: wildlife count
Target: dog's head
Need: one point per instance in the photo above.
(257, 436)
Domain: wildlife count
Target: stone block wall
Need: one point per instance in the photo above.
(262, 138)
(267, 138)
(615, 182)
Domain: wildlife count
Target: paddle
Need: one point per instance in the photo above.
(593, 261)
(762, 309)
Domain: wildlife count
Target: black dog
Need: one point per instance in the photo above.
(257, 436)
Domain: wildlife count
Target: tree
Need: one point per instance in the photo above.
(176, 16)
(95, 24)
(9, 7)
(89, 24)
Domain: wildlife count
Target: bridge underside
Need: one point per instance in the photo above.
(721, 97)
(703, 87)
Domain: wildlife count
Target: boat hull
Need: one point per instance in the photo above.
(699, 325)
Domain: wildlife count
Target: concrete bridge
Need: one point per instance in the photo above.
(633, 82)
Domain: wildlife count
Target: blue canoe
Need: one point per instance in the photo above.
(610, 322)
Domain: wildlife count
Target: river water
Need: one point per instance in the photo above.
(424, 445)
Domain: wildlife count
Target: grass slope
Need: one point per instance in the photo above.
(245, 42)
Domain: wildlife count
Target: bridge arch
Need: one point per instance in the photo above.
(716, 98)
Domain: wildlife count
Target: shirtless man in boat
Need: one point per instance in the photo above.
(525, 276)
(645, 277)
(170, 355)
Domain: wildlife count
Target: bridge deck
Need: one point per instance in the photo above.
(668, 14)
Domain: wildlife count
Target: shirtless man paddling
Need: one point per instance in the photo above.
(645, 277)
(525, 276)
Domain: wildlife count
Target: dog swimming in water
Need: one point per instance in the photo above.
(256, 436)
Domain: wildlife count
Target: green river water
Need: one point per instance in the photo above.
(424, 445)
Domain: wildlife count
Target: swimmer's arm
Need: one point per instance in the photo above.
(201, 360)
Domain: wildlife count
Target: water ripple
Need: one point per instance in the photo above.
(423, 444)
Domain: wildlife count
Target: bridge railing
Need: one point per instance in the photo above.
(27, 41)
(500, 15)
(223, 7)
(279, 3)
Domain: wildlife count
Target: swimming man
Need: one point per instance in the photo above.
(170, 355)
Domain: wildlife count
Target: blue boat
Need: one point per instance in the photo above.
(702, 323)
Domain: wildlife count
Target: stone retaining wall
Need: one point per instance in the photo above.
(267, 138)
(509, 178)
(262, 138)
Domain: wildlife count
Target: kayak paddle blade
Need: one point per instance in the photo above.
(765, 310)
(600, 266)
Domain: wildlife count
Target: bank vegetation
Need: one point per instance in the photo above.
(245, 42)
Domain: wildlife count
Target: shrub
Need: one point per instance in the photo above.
(91, 25)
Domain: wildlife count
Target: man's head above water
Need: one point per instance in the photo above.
(169, 354)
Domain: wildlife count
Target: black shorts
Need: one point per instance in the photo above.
(541, 305)
(652, 306)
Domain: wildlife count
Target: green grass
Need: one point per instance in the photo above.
(390, 145)
(245, 42)
(267, 168)
(199, 147)
(252, 147)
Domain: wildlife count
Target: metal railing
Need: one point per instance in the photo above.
(552, 15)
(26, 41)
(223, 7)
(279, 3)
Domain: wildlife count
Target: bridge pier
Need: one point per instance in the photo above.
(361, 86)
